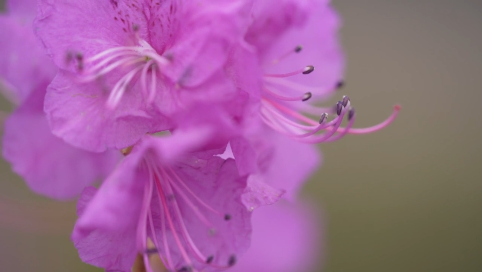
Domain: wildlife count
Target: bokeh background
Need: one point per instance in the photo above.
(408, 198)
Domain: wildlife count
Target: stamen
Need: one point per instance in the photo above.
(306, 70)
(339, 107)
(232, 260)
(297, 49)
(80, 61)
(170, 222)
(193, 194)
(351, 114)
(119, 88)
(323, 118)
(227, 217)
(210, 259)
(345, 100)
(380, 126)
(304, 97)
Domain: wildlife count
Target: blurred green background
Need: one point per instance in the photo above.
(408, 198)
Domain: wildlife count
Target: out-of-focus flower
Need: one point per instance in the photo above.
(125, 66)
(49, 165)
(190, 208)
(275, 161)
(285, 238)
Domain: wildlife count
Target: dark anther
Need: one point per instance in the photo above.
(340, 84)
(150, 251)
(227, 217)
(298, 48)
(306, 96)
(323, 117)
(339, 107)
(210, 259)
(351, 113)
(79, 56)
(185, 269)
(80, 61)
(308, 69)
(345, 100)
(135, 27)
(232, 260)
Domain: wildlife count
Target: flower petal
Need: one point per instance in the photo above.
(114, 251)
(284, 239)
(77, 113)
(23, 63)
(50, 166)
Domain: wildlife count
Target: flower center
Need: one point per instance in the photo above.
(292, 119)
(133, 61)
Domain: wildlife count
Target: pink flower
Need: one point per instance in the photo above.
(285, 239)
(189, 206)
(49, 165)
(276, 163)
(126, 66)
(296, 47)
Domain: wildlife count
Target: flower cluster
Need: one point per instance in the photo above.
(192, 114)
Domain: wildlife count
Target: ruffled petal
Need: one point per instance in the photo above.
(77, 114)
(68, 27)
(23, 63)
(114, 251)
(50, 166)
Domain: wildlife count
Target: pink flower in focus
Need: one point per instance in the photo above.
(295, 44)
(49, 166)
(189, 207)
(126, 66)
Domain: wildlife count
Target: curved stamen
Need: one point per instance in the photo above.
(306, 70)
(194, 195)
(127, 61)
(185, 234)
(344, 131)
(304, 137)
(109, 51)
(152, 93)
(304, 97)
(382, 125)
(170, 221)
(297, 49)
(142, 58)
(119, 88)
(289, 122)
(97, 66)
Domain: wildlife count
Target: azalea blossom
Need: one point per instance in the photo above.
(295, 46)
(49, 166)
(126, 66)
(189, 207)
